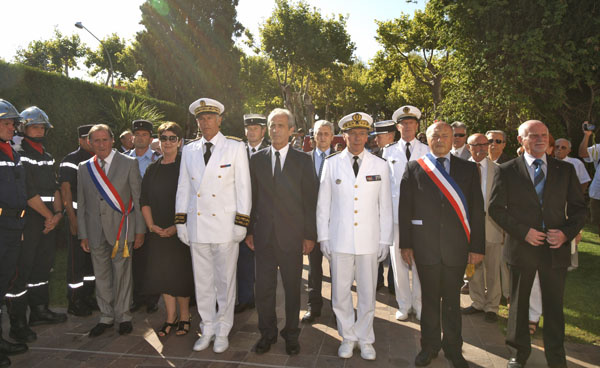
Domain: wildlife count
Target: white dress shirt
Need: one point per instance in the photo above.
(531, 167)
(107, 161)
(282, 155)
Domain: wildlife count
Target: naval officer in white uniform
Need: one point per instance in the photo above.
(354, 225)
(408, 295)
(211, 214)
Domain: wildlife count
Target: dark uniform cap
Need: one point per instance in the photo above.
(386, 126)
(84, 130)
(141, 125)
(255, 119)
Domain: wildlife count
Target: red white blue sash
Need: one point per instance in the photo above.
(112, 197)
(449, 188)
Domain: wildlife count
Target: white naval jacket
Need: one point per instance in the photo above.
(212, 195)
(396, 159)
(355, 213)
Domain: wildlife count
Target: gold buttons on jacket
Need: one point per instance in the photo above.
(356, 224)
(213, 214)
(214, 195)
(219, 176)
(198, 195)
(356, 198)
(356, 186)
(198, 213)
(355, 211)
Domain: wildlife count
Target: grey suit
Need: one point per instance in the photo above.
(99, 223)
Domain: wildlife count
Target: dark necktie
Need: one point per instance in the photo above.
(253, 150)
(441, 161)
(355, 166)
(479, 168)
(322, 163)
(277, 171)
(539, 179)
(407, 151)
(207, 153)
(103, 165)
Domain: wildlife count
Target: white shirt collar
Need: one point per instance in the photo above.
(282, 152)
(482, 162)
(459, 151)
(529, 159)
(412, 142)
(110, 157)
(215, 140)
(255, 147)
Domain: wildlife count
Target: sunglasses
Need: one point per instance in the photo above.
(172, 138)
(459, 135)
(497, 141)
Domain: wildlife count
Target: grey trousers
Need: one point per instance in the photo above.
(113, 282)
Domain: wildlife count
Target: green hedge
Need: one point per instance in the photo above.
(70, 103)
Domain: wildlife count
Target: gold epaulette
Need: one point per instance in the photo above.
(242, 220)
(192, 140)
(234, 138)
(390, 144)
(333, 154)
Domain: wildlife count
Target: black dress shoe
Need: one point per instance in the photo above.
(9, 348)
(4, 361)
(125, 328)
(41, 315)
(513, 363)
(242, 307)
(458, 361)
(99, 329)
(310, 316)
(264, 344)
(491, 317)
(471, 310)
(425, 357)
(292, 347)
(79, 308)
(151, 308)
(20, 331)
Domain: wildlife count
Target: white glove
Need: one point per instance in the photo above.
(383, 252)
(182, 233)
(239, 233)
(325, 249)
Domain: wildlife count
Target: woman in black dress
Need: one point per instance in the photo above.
(169, 268)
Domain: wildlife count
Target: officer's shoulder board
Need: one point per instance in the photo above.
(390, 144)
(333, 154)
(234, 138)
(192, 140)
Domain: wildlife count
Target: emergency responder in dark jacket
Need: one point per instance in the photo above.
(13, 201)
(80, 273)
(29, 287)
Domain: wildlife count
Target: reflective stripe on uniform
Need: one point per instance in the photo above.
(89, 278)
(8, 295)
(7, 163)
(68, 164)
(38, 284)
(34, 162)
(47, 199)
(77, 285)
(74, 205)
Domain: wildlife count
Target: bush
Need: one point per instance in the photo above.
(70, 103)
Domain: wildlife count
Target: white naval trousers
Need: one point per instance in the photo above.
(407, 294)
(214, 268)
(345, 268)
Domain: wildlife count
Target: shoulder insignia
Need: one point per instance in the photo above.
(192, 140)
(234, 138)
(333, 154)
(381, 158)
(390, 144)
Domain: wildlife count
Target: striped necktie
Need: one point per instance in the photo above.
(539, 179)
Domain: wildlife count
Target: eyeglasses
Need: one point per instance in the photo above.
(561, 147)
(172, 138)
(479, 144)
(497, 141)
(457, 135)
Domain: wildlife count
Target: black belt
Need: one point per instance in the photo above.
(11, 212)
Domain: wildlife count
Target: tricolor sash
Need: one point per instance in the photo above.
(112, 197)
(449, 189)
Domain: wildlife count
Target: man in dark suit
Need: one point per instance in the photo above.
(282, 228)
(528, 201)
(255, 127)
(441, 238)
(323, 133)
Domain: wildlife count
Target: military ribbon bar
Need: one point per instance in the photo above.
(112, 197)
(449, 189)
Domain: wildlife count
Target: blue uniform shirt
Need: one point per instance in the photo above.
(144, 160)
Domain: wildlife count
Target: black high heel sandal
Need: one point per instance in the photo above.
(183, 327)
(163, 330)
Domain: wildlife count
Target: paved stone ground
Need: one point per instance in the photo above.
(397, 343)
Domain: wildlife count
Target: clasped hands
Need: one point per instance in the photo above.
(554, 237)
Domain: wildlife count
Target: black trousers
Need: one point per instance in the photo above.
(315, 279)
(139, 264)
(10, 247)
(29, 285)
(245, 275)
(440, 282)
(269, 257)
(552, 283)
(80, 272)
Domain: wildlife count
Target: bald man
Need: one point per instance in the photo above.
(529, 199)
